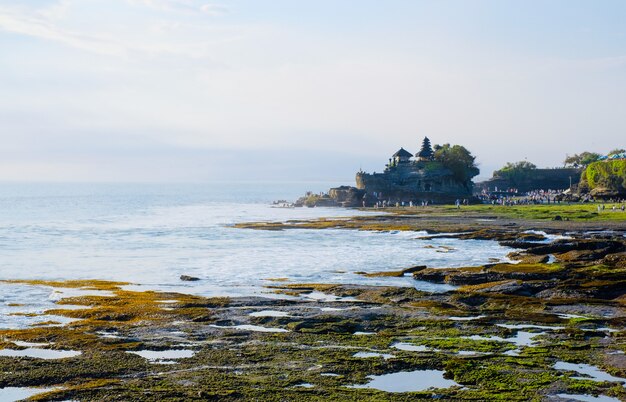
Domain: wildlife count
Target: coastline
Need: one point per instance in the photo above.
(509, 331)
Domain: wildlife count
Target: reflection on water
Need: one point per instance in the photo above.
(368, 355)
(592, 373)
(587, 398)
(38, 353)
(408, 381)
(253, 328)
(18, 393)
(163, 356)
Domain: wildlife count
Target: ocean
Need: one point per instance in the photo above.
(151, 234)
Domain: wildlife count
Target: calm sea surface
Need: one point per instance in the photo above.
(151, 234)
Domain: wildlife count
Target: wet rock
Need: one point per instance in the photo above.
(490, 273)
(188, 278)
(414, 269)
(507, 287)
(400, 273)
(473, 300)
(432, 275)
(616, 360)
(324, 325)
(531, 237)
(512, 287)
(560, 293)
(618, 260)
(528, 259)
(520, 244)
(563, 246)
(581, 255)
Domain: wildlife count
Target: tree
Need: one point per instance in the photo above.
(608, 175)
(616, 151)
(519, 166)
(582, 159)
(516, 172)
(458, 159)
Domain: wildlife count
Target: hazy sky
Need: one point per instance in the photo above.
(146, 90)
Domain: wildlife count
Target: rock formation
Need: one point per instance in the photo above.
(440, 174)
(426, 177)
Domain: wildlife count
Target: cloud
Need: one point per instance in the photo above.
(44, 27)
(213, 9)
(185, 6)
(56, 22)
(57, 10)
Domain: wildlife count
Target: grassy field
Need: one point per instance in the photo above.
(574, 212)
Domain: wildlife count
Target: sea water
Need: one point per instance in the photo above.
(151, 234)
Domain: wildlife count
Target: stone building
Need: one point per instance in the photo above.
(408, 178)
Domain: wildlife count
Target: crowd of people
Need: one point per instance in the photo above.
(537, 197)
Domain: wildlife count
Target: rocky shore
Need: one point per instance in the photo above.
(550, 326)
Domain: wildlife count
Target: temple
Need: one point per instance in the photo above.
(414, 178)
(439, 174)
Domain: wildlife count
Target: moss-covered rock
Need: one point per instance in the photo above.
(605, 178)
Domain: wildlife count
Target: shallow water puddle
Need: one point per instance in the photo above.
(269, 313)
(164, 356)
(602, 329)
(109, 335)
(469, 353)
(367, 355)
(325, 297)
(16, 394)
(73, 307)
(594, 373)
(329, 309)
(588, 398)
(569, 316)
(37, 353)
(524, 338)
(11, 321)
(408, 381)
(527, 326)
(63, 293)
(246, 327)
(30, 344)
(520, 339)
(409, 347)
(478, 317)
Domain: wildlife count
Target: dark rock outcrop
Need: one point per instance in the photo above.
(188, 278)
(347, 196)
(490, 274)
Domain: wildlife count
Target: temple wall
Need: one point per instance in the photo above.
(556, 179)
(418, 186)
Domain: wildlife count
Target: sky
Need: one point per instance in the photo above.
(200, 90)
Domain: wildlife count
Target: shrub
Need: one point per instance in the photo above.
(609, 174)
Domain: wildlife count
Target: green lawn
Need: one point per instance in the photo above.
(574, 212)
